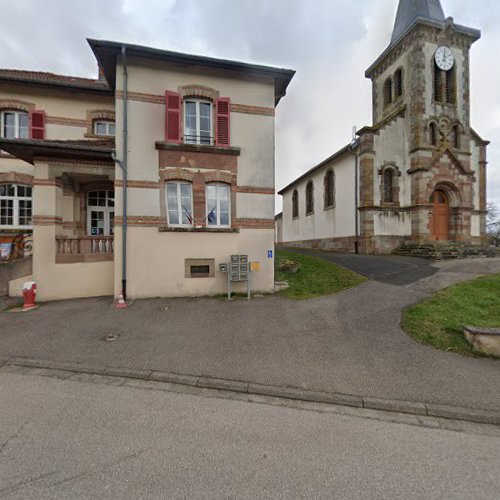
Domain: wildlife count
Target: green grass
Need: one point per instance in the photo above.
(439, 320)
(315, 277)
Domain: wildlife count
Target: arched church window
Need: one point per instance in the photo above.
(309, 198)
(295, 204)
(388, 188)
(388, 92)
(398, 82)
(329, 189)
(433, 134)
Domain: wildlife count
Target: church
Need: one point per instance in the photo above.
(417, 175)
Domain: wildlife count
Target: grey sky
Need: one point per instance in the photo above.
(329, 43)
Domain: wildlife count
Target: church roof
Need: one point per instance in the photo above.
(411, 10)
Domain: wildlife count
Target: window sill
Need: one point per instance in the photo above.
(198, 148)
(330, 207)
(102, 137)
(198, 230)
(309, 213)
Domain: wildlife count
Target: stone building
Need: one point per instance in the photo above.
(418, 174)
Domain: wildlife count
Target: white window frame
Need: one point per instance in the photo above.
(180, 208)
(15, 201)
(218, 186)
(197, 139)
(107, 210)
(17, 131)
(107, 124)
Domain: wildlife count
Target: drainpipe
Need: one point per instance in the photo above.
(123, 165)
(354, 149)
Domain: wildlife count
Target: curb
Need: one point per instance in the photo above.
(395, 406)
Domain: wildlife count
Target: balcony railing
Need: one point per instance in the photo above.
(70, 249)
(203, 140)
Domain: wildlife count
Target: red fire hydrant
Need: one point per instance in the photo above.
(29, 294)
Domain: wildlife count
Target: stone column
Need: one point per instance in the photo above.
(366, 192)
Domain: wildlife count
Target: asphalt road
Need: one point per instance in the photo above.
(391, 269)
(67, 439)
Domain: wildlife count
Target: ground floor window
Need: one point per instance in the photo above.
(180, 203)
(16, 206)
(101, 213)
(218, 205)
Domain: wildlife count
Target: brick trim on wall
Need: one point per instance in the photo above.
(194, 159)
(252, 110)
(16, 178)
(198, 91)
(255, 223)
(138, 184)
(254, 190)
(17, 104)
(160, 99)
(69, 122)
(141, 221)
(47, 220)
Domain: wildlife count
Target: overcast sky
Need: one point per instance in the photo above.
(330, 43)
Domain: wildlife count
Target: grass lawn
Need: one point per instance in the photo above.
(439, 320)
(315, 276)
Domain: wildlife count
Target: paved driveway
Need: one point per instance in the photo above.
(387, 269)
(349, 343)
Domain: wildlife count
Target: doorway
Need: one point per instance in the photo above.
(441, 216)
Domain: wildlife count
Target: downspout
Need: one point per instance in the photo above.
(354, 149)
(123, 165)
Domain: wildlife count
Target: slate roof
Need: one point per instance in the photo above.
(410, 10)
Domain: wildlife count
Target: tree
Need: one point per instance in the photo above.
(493, 224)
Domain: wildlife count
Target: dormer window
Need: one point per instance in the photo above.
(104, 127)
(198, 122)
(14, 124)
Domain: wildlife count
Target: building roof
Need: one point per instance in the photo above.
(108, 52)
(346, 149)
(413, 12)
(53, 80)
(84, 149)
(410, 10)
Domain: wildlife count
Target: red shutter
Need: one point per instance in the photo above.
(37, 125)
(222, 121)
(172, 117)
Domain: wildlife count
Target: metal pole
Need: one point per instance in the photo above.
(125, 172)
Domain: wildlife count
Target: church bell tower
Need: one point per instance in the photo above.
(422, 166)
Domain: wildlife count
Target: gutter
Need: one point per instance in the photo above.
(123, 165)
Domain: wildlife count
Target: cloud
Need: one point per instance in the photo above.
(329, 42)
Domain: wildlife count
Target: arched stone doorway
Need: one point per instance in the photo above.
(440, 230)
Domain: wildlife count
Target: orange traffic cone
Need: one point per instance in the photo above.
(121, 304)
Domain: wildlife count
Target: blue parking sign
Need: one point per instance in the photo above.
(269, 254)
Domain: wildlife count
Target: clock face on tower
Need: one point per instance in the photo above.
(444, 58)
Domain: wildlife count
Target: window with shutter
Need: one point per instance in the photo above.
(172, 117)
(222, 127)
(37, 125)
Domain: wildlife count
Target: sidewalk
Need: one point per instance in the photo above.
(350, 343)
